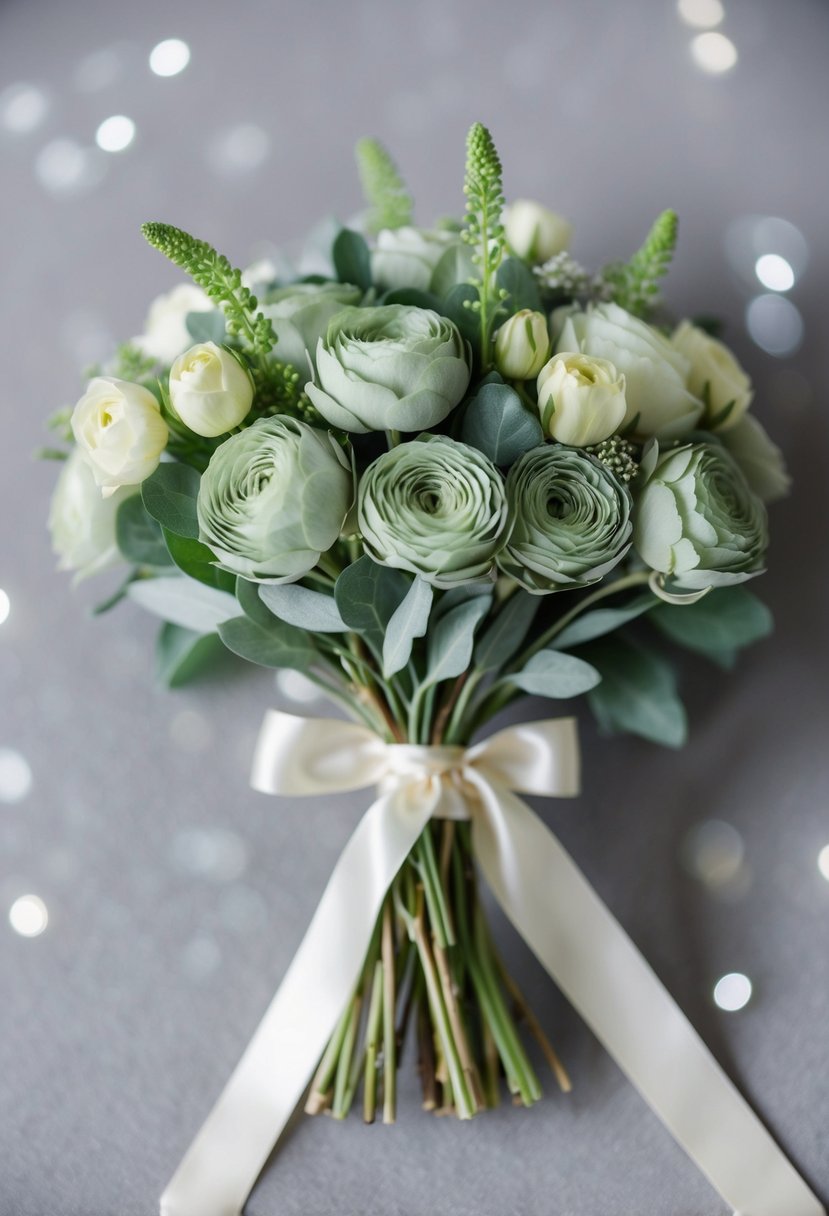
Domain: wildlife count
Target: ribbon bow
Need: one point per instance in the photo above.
(545, 896)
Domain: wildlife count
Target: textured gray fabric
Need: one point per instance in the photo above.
(176, 896)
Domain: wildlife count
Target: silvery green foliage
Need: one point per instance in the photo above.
(436, 508)
(394, 367)
(571, 520)
(697, 519)
(300, 315)
(274, 498)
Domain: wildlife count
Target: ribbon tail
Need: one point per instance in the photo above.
(608, 982)
(222, 1164)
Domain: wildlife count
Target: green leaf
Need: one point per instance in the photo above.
(247, 593)
(455, 308)
(277, 645)
(454, 266)
(302, 607)
(207, 326)
(411, 296)
(170, 494)
(521, 285)
(196, 560)
(367, 596)
(553, 674)
(637, 693)
(138, 536)
(451, 641)
(185, 602)
(603, 620)
(727, 619)
(407, 622)
(352, 260)
(502, 639)
(181, 654)
(450, 599)
(497, 423)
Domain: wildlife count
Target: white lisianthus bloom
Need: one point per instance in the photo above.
(119, 427)
(655, 372)
(581, 400)
(759, 458)
(81, 522)
(533, 232)
(522, 345)
(210, 390)
(715, 376)
(407, 257)
(165, 329)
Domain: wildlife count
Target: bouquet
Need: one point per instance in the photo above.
(435, 471)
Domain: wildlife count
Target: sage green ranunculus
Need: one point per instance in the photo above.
(300, 314)
(394, 367)
(571, 520)
(697, 519)
(435, 507)
(274, 498)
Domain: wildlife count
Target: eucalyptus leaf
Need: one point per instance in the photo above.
(352, 260)
(455, 266)
(521, 285)
(302, 607)
(407, 622)
(412, 297)
(452, 639)
(197, 561)
(603, 620)
(367, 595)
(553, 674)
(497, 423)
(138, 536)
(466, 319)
(726, 620)
(450, 599)
(208, 326)
(637, 693)
(182, 654)
(185, 602)
(502, 639)
(170, 494)
(247, 593)
(275, 645)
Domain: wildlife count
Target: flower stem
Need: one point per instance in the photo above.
(389, 1031)
(375, 1012)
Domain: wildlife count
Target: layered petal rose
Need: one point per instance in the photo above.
(274, 498)
(81, 522)
(389, 368)
(118, 425)
(434, 507)
(570, 517)
(698, 520)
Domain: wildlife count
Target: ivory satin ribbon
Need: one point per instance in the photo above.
(550, 903)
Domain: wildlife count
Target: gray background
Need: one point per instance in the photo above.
(176, 896)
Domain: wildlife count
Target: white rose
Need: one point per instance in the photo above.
(759, 458)
(210, 390)
(581, 400)
(534, 233)
(715, 376)
(165, 329)
(522, 345)
(81, 522)
(655, 372)
(119, 427)
(407, 257)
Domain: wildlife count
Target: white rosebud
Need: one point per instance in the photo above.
(165, 329)
(522, 345)
(81, 522)
(715, 376)
(210, 390)
(533, 232)
(581, 400)
(119, 427)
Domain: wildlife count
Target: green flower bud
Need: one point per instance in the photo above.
(300, 315)
(389, 368)
(435, 507)
(522, 345)
(571, 520)
(697, 519)
(274, 498)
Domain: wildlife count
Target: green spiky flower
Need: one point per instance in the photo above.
(383, 187)
(219, 280)
(483, 187)
(634, 285)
